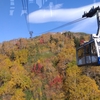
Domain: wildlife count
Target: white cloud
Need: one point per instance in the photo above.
(43, 15)
(64, 15)
(61, 15)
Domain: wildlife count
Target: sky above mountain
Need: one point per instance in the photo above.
(43, 15)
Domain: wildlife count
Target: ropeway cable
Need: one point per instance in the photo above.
(69, 23)
(25, 7)
(27, 14)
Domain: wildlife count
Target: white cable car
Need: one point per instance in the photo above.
(89, 52)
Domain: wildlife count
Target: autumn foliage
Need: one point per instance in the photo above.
(44, 68)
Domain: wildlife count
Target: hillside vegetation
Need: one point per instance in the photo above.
(44, 68)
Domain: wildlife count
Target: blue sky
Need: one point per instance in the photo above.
(44, 16)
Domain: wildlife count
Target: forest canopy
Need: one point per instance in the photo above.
(44, 68)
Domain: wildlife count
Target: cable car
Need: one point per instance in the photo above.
(89, 52)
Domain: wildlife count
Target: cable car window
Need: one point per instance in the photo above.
(98, 43)
(87, 50)
(81, 58)
(87, 54)
(80, 53)
(94, 57)
(93, 49)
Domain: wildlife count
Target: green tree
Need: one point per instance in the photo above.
(77, 42)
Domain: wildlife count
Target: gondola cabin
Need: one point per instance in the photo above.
(89, 52)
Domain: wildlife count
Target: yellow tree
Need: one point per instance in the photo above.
(18, 95)
(21, 56)
(14, 79)
(78, 86)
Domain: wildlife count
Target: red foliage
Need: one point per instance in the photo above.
(81, 42)
(41, 40)
(37, 68)
(55, 81)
